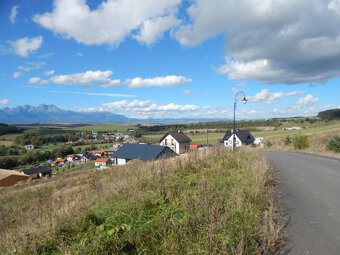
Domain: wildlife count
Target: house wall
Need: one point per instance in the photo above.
(174, 145)
(229, 142)
(120, 161)
(100, 164)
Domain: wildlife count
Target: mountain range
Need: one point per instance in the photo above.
(49, 114)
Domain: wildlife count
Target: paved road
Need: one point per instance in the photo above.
(310, 192)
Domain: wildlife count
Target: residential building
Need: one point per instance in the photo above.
(195, 146)
(29, 147)
(43, 172)
(242, 137)
(143, 152)
(176, 141)
(11, 177)
(102, 161)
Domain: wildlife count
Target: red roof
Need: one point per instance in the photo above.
(102, 160)
(70, 156)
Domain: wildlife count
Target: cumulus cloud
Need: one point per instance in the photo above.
(294, 41)
(32, 65)
(37, 80)
(187, 92)
(147, 106)
(266, 97)
(307, 100)
(24, 46)
(111, 22)
(48, 73)
(5, 101)
(166, 81)
(16, 74)
(14, 12)
(153, 29)
(86, 79)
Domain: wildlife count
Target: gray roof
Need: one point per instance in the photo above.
(179, 137)
(42, 170)
(139, 151)
(243, 135)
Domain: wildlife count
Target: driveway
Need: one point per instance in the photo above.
(310, 194)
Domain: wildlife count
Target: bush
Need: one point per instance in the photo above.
(288, 140)
(301, 142)
(334, 144)
(269, 144)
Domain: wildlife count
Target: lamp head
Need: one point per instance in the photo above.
(244, 100)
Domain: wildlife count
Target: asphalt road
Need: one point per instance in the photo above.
(310, 194)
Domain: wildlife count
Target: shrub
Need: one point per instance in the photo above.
(301, 142)
(334, 144)
(269, 144)
(288, 140)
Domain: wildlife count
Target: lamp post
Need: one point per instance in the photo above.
(244, 100)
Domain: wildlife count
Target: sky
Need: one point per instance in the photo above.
(172, 58)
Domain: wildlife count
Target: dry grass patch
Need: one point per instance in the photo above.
(207, 202)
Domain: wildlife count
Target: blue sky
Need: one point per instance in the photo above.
(172, 58)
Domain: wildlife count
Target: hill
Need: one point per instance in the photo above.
(333, 114)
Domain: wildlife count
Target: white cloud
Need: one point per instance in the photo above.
(27, 69)
(37, 80)
(270, 41)
(153, 29)
(79, 54)
(147, 107)
(26, 45)
(86, 79)
(48, 73)
(166, 81)
(14, 12)
(5, 101)
(266, 97)
(294, 93)
(187, 92)
(16, 74)
(92, 94)
(307, 100)
(110, 23)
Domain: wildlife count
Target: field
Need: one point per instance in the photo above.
(206, 202)
(105, 127)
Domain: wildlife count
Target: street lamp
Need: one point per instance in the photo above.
(244, 100)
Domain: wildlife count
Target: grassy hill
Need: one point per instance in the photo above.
(206, 202)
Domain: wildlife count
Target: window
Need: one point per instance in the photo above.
(166, 141)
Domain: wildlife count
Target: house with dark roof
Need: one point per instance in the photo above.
(176, 141)
(242, 137)
(42, 171)
(143, 152)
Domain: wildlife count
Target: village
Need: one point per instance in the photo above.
(125, 148)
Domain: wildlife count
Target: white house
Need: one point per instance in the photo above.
(176, 141)
(29, 147)
(258, 140)
(242, 137)
(102, 161)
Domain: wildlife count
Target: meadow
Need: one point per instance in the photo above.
(205, 202)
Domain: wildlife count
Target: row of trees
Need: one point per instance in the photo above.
(6, 129)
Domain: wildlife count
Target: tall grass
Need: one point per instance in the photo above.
(206, 202)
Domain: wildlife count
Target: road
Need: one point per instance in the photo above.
(310, 194)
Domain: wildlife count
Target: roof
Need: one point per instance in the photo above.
(42, 169)
(139, 151)
(178, 136)
(243, 135)
(11, 177)
(102, 160)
